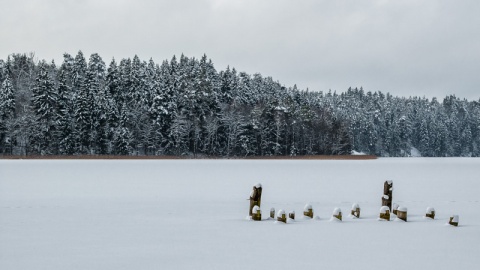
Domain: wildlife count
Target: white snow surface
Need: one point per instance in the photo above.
(336, 211)
(384, 209)
(430, 210)
(190, 214)
(402, 209)
(355, 206)
(307, 207)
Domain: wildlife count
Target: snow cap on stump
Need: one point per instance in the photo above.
(385, 213)
(430, 212)
(256, 213)
(281, 216)
(454, 220)
(394, 208)
(272, 212)
(308, 210)
(337, 213)
(355, 210)
(258, 185)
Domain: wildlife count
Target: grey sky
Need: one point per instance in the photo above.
(423, 48)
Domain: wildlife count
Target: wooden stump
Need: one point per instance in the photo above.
(387, 194)
(395, 207)
(291, 215)
(453, 220)
(255, 197)
(402, 213)
(355, 210)
(430, 213)
(281, 216)
(256, 213)
(337, 213)
(308, 211)
(385, 213)
(272, 212)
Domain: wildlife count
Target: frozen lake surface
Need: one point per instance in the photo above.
(191, 214)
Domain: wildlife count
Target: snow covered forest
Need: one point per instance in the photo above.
(186, 107)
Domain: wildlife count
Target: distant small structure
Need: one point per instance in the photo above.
(387, 194)
(385, 213)
(255, 197)
(402, 213)
(281, 216)
(430, 212)
(454, 220)
(308, 211)
(355, 210)
(291, 215)
(337, 213)
(257, 213)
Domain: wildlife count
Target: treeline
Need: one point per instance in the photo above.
(178, 107)
(185, 107)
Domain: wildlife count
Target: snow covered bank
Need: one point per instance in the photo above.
(190, 214)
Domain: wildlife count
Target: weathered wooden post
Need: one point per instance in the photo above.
(453, 220)
(257, 213)
(430, 213)
(355, 210)
(255, 197)
(395, 207)
(337, 213)
(291, 215)
(272, 212)
(402, 213)
(281, 216)
(308, 211)
(387, 194)
(385, 213)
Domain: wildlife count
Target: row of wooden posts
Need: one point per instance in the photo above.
(400, 212)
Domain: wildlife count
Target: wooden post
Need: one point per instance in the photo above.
(355, 210)
(453, 220)
(337, 213)
(291, 215)
(395, 207)
(387, 194)
(255, 197)
(281, 216)
(430, 213)
(272, 212)
(402, 213)
(308, 211)
(385, 213)
(257, 214)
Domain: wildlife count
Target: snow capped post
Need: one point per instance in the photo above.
(272, 212)
(395, 207)
(385, 213)
(453, 220)
(337, 213)
(291, 215)
(281, 216)
(255, 197)
(355, 210)
(257, 213)
(402, 213)
(308, 211)
(387, 194)
(430, 213)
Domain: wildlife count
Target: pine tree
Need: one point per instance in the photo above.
(44, 101)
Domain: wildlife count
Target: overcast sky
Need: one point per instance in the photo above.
(422, 48)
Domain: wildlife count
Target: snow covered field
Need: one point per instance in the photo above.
(190, 214)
